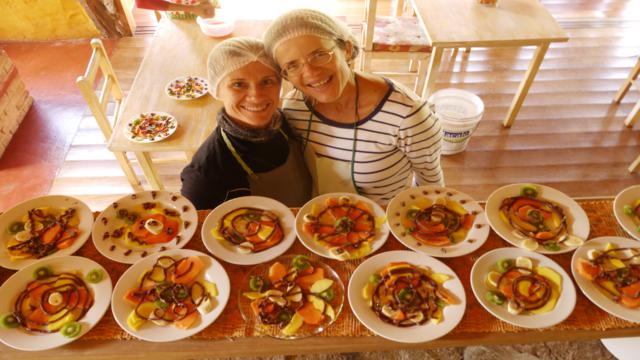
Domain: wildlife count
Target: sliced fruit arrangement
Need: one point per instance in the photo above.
(188, 87)
(51, 303)
(524, 288)
(615, 271)
(633, 211)
(294, 295)
(343, 226)
(172, 292)
(538, 221)
(403, 294)
(445, 222)
(42, 231)
(144, 225)
(249, 230)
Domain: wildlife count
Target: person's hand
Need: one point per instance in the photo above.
(205, 10)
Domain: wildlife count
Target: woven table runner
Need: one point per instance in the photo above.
(230, 324)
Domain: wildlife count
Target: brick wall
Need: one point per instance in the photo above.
(14, 100)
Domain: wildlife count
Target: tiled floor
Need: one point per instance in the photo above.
(37, 150)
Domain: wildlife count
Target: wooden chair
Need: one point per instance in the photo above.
(633, 78)
(109, 91)
(635, 112)
(380, 41)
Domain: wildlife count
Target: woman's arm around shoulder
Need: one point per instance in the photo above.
(420, 138)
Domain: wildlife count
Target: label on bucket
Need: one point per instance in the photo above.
(456, 136)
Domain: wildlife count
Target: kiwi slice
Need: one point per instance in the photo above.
(529, 191)
(71, 329)
(15, 227)
(9, 321)
(94, 276)
(42, 272)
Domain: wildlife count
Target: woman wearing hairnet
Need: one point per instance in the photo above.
(252, 150)
(361, 133)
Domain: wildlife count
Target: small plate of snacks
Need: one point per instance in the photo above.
(46, 226)
(170, 295)
(342, 226)
(406, 296)
(53, 302)
(151, 127)
(537, 218)
(607, 270)
(293, 297)
(143, 223)
(187, 88)
(626, 208)
(437, 221)
(249, 230)
(523, 288)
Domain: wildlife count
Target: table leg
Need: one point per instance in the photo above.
(144, 159)
(432, 71)
(634, 164)
(523, 89)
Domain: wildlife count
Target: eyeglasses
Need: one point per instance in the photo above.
(318, 58)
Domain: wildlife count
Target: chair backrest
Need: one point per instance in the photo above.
(370, 7)
(99, 97)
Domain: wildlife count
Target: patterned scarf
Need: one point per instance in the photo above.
(250, 134)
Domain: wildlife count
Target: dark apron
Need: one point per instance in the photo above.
(289, 183)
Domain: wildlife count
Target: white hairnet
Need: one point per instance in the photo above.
(231, 55)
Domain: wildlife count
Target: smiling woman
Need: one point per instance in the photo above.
(362, 133)
(252, 151)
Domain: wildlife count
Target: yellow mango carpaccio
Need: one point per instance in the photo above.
(555, 280)
(44, 20)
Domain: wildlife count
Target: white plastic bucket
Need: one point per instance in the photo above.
(459, 112)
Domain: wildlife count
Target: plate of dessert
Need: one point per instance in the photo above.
(187, 88)
(170, 295)
(46, 226)
(151, 127)
(53, 302)
(607, 270)
(437, 221)
(626, 208)
(249, 230)
(523, 288)
(537, 218)
(406, 296)
(292, 297)
(144, 223)
(342, 226)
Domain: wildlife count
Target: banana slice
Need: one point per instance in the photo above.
(530, 244)
(493, 277)
(524, 262)
(573, 240)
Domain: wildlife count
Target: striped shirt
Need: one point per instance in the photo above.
(400, 138)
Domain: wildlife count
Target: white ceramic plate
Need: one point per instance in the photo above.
(227, 252)
(107, 222)
(169, 122)
(17, 212)
(173, 88)
(591, 290)
(477, 235)
(627, 196)
(319, 201)
(213, 272)
(487, 262)
(577, 220)
(33, 341)
(415, 334)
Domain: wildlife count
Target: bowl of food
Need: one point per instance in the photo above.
(218, 26)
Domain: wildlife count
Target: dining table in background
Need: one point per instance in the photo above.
(467, 23)
(178, 49)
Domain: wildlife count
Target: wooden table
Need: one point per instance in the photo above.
(466, 23)
(263, 346)
(179, 48)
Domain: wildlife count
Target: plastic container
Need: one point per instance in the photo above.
(459, 112)
(218, 26)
